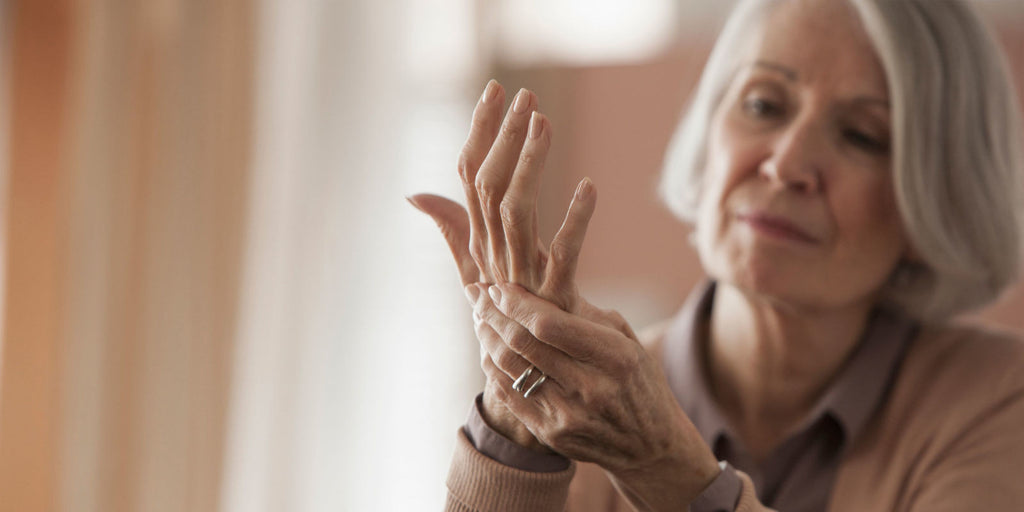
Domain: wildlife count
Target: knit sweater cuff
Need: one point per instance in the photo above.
(748, 497)
(477, 482)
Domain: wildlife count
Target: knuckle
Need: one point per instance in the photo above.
(487, 192)
(479, 256)
(476, 247)
(561, 252)
(511, 214)
(511, 131)
(467, 165)
(619, 322)
(506, 359)
(616, 317)
(487, 365)
(530, 158)
(626, 364)
(545, 327)
(521, 341)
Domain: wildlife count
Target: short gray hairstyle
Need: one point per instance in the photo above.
(957, 156)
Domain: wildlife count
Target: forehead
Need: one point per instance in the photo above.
(823, 42)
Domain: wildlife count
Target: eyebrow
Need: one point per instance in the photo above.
(789, 73)
(792, 76)
(873, 101)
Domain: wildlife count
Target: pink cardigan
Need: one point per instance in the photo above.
(949, 438)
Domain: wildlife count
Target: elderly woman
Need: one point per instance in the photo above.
(851, 169)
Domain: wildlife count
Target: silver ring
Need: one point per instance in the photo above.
(535, 386)
(521, 381)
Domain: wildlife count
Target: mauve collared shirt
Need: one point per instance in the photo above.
(797, 475)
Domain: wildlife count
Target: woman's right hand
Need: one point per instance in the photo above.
(496, 240)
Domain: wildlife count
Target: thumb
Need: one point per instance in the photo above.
(453, 222)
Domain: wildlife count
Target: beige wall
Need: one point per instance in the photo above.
(612, 124)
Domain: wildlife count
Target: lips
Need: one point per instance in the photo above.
(777, 227)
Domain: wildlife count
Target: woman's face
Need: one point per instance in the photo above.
(798, 204)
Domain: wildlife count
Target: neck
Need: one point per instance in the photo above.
(769, 363)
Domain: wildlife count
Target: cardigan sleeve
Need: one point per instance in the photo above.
(486, 474)
(721, 496)
(478, 483)
(498, 447)
(748, 496)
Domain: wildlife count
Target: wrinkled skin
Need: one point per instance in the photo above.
(605, 399)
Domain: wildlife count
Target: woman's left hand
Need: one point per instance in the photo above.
(607, 401)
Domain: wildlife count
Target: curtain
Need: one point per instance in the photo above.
(128, 178)
(355, 363)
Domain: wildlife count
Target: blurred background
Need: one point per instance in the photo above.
(215, 297)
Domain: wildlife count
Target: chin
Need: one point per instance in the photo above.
(781, 284)
(800, 291)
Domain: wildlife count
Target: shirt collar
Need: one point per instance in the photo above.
(857, 391)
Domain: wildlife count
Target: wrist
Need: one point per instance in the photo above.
(666, 486)
(672, 480)
(502, 421)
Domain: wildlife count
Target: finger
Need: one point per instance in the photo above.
(451, 218)
(514, 348)
(493, 178)
(492, 347)
(578, 337)
(484, 129)
(519, 206)
(531, 412)
(563, 257)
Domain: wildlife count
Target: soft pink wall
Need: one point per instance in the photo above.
(612, 124)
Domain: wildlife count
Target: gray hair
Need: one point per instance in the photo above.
(956, 148)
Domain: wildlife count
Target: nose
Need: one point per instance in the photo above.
(794, 161)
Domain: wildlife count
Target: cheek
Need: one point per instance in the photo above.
(732, 159)
(868, 210)
(873, 238)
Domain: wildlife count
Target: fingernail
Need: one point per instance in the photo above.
(495, 294)
(584, 188)
(536, 124)
(490, 91)
(522, 101)
(413, 203)
(472, 293)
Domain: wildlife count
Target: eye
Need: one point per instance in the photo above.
(762, 107)
(866, 142)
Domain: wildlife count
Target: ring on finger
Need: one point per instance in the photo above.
(520, 383)
(535, 386)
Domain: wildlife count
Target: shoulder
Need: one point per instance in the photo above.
(970, 358)
(954, 379)
(953, 415)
